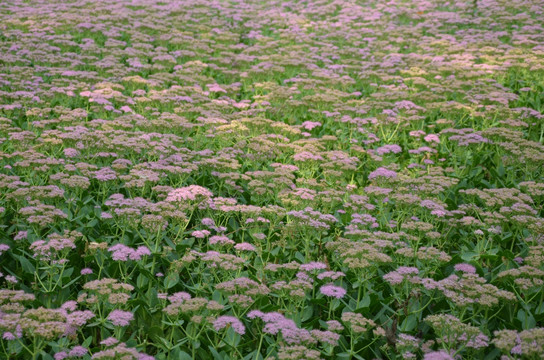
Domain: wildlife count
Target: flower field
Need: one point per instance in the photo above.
(262, 179)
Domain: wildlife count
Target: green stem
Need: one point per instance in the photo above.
(260, 345)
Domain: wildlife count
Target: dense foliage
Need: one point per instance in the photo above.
(330, 179)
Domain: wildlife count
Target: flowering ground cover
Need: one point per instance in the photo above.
(330, 179)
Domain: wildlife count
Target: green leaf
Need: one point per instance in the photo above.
(495, 354)
(68, 273)
(171, 280)
(232, 338)
(26, 265)
(151, 297)
(527, 319)
(470, 255)
(307, 313)
(365, 302)
(216, 296)
(71, 282)
(300, 257)
(253, 356)
(87, 342)
(141, 280)
(182, 355)
(45, 356)
(92, 223)
(409, 323)
(215, 354)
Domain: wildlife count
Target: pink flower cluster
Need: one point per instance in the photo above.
(190, 192)
(122, 252)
